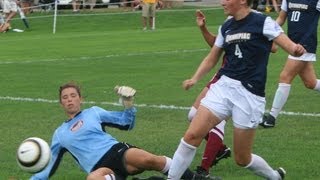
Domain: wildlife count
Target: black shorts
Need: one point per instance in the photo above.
(114, 160)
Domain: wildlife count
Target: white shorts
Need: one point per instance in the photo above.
(228, 98)
(9, 6)
(305, 57)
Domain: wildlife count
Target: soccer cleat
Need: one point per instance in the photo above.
(149, 178)
(201, 171)
(281, 172)
(202, 177)
(222, 154)
(268, 121)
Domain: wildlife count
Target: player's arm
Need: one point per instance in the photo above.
(292, 48)
(123, 120)
(201, 22)
(281, 19)
(274, 32)
(56, 155)
(206, 65)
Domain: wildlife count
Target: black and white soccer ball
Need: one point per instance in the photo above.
(33, 154)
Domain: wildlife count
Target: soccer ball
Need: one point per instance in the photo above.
(33, 154)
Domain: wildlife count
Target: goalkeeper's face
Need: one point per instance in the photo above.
(70, 101)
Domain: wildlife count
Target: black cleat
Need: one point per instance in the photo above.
(281, 172)
(201, 171)
(202, 174)
(149, 178)
(268, 121)
(222, 154)
(202, 177)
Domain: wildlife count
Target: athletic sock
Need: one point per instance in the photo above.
(181, 160)
(192, 113)
(167, 165)
(214, 144)
(110, 177)
(317, 87)
(280, 98)
(261, 168)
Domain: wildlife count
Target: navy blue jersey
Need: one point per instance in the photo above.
(247, 43)
(303, 17)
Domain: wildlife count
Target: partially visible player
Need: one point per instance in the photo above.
(246, 40)
(10, 9)
(96, 151)
(302, 29)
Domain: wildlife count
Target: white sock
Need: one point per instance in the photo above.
(317, 87)
(192, 113)
(181, 160)
(280, 98)
(110, 177)
(167, 165)
(219, 129)
(261, 168)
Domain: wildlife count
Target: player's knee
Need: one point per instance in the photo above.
(193, 138)
(92, 176)
(309, 84)
(284, 77)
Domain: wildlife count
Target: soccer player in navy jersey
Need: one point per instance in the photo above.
(215, 150)
(96, 151)
(246, 40)
(303, 17)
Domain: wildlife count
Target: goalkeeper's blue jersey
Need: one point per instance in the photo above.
(84, 137)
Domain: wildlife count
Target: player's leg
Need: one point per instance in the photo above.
(196, 103)
(309, 77)
(102, 174)
(291, 69)
(138, 160)
(243, 141)
(247, 111)
(215, 150)
(198, 129)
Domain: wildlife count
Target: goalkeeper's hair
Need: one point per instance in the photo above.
(70, 84)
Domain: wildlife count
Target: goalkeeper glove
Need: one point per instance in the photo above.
(126, 94)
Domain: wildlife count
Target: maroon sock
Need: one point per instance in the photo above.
(213, 146)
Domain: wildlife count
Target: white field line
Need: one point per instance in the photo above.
(104, 57)
(161, 106)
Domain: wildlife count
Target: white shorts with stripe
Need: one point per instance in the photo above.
(228, 98)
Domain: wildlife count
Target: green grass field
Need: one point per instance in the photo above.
(101, 50)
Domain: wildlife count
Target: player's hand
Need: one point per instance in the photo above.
(126, 94)
(187, 84)
(125, 91)
(298, 50)
(201, 19)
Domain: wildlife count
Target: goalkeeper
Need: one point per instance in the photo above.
(96, 151)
